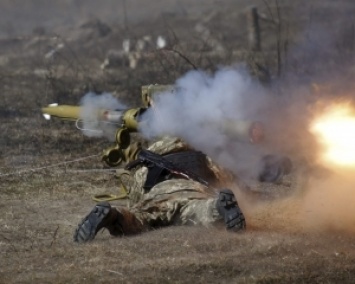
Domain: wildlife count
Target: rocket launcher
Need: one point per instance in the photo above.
(126, 118)
(122, 122)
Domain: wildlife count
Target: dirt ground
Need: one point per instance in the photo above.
(53, 51)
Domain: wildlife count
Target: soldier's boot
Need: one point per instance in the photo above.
(228, 208)
(118, 222)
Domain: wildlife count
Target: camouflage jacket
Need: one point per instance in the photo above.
(135, 181)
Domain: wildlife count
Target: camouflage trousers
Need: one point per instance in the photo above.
(177, 202)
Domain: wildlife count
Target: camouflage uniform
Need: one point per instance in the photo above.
(176, 201)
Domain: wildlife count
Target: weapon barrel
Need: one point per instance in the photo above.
(128, 117)
(69, 112)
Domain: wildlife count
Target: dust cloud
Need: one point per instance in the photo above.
(329, 203)
(323, 204)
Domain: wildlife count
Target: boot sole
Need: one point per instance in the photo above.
(229, 209)
(92, 223)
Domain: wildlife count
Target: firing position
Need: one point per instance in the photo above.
(170, 184)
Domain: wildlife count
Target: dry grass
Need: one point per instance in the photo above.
(37, 247)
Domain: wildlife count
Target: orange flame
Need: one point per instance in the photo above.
(335, 129)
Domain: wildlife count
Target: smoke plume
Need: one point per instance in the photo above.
(200, 109)
(92, 126)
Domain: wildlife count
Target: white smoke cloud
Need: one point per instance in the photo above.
(92, 126)
(199, 109)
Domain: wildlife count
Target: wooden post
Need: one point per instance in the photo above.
(253, 29)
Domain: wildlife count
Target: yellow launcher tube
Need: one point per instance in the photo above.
(66, 112)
